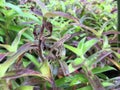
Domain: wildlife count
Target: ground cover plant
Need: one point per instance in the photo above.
(59, 45)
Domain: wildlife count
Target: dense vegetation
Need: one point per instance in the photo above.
(59, 45)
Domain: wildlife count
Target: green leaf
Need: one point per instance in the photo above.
(105, 43)
(2, 2)
(14, 7)
(4, 66)
(71, 80)
(25, 88)
(73, 49)
(117, 54)
(45, 70)
(102, 69)
(88, 45)
(105, 84)
(75, 64)
(93, 58)
(30, 16)
(16, 41)
(81, 43)
(86, 88)
(13, 47)
(78, 78)
(42, 6)
(33, 59)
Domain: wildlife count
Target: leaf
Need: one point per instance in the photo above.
(114, 62)
(64, 67)
(73, 49)
(117, 54)
(25, 88)
(4, 66)
(71, 80)
(30, 16)
(42, 6)
(61, 14)
(8, 47)
(2, 56)
(75, 64)
(105, 43)
(78, 79)
(102, 69)
(2, 2)
(17, 39)
(86, 88)
(14, 7)
(106, 84)
(46, 70)
(33, 59)
(92, 59)
(81, 43)
(88, 45)
(13, 47)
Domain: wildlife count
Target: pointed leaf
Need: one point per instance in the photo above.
(8, 47)
(105, 43)
(16, 41)
(73, 49)
(88, 45)
(81, 43)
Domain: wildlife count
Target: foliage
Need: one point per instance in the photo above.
(53, 44)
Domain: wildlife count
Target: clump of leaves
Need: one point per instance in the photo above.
(45, 62)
